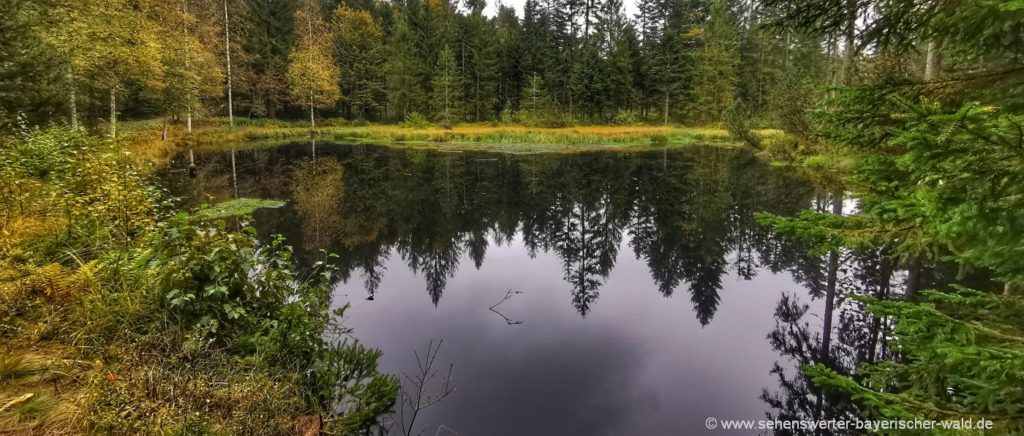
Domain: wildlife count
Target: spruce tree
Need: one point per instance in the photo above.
(446, 87)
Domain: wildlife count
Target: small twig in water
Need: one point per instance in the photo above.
(442, 426)
(508, 295)
(417, 397)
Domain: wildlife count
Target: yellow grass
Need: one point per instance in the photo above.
(214, 134)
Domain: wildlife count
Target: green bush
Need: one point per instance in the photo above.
(228, 290)
(416, 120)
(46, 153)
(737, 122)
(625, 117)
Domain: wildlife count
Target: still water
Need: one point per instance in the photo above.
(600, 293)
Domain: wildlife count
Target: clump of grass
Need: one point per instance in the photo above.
(20, 367)
(32, 410)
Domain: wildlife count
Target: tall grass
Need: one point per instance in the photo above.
(214, 134)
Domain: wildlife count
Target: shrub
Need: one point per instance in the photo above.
(416, 120)
(625, 117)
(226, 289)
(737, 122)
(46, 153)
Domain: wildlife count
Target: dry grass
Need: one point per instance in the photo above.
(36, 391)
(215, 135)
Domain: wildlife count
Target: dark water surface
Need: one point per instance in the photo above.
(644, 298)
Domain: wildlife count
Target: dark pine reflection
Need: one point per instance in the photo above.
(689, 215)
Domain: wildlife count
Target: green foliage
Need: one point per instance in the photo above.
(227, 289)
(30, 82)
(43, 154)
(203, 320)
(446, 87)
(359, 51)
(937, 179)
(345, 378)
(626, 118)
(954, 184)
(961, 354)
(234, 207)
(737, 121)
(416, 120)
(715, 67)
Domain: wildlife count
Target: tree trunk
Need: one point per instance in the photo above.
(933, 62)
(188, 120)
(914, 277)
(666, 107)
(163, 132)
(234, 174)
(113, 114)
(74, 99)
(849, 41)
(830, 285)
(830, 297)
(227, 54)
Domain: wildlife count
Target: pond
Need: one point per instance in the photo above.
(597, 293)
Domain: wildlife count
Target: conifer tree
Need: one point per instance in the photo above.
(715, 65)
(359, 50)
(446, 87)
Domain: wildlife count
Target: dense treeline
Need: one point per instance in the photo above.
(561, 61)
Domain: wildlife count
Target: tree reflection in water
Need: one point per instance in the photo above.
(688, 214)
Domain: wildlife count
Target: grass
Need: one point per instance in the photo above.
(215, 135)
(111, 325)
(235, 207)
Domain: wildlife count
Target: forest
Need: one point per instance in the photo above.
(872, 151)
(560, 62)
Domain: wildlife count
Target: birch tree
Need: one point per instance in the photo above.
(312, 74)
(191, 70)
(107, 43)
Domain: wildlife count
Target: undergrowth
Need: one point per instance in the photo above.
(120, 316)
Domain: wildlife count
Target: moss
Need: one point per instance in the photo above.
(232, 208)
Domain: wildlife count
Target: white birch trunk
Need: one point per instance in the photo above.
(113, 113)
(227, 53)
(74, 100)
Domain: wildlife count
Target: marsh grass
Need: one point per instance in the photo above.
(214, 135)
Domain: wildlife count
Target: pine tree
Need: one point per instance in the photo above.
(266, 38)
(446, 89)
(359, 51)
(479, 63)
(405, 95)
(31, 77)
(715, 67)
(509, 55)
